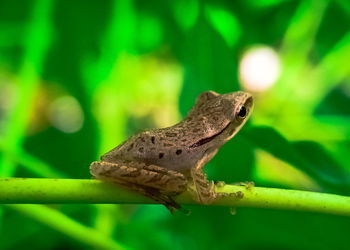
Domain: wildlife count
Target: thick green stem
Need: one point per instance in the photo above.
(54, 191)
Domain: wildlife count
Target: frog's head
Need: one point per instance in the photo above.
(221, 116)
(237, 107)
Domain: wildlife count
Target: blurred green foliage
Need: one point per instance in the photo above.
(79, 77)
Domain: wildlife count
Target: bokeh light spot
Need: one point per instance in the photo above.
(259, 69)
(65, 114)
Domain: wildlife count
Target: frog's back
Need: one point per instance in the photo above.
(166, 147)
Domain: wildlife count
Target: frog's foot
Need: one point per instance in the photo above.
(249, 185)
(203, 191)
(209, 195)
(206, 192)
(168, 202)
(219, 184)
(238, 195)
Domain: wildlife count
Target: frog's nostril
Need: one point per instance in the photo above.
(249, 102)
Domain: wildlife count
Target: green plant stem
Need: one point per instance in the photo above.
(67, 226)
(68, 191)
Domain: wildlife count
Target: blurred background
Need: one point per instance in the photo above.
(79, 77)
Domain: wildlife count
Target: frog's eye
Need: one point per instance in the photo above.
(242, 112)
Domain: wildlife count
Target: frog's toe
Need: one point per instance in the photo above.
(247, 184)
(220, 184)
(238, 194)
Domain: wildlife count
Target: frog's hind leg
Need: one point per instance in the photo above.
(164, 199)
(151, 193)
(152, 181)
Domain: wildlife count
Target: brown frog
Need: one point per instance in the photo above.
(162, 163)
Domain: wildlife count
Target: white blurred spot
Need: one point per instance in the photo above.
(66, 114)
(259, 69)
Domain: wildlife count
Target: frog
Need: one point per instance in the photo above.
(165, 162)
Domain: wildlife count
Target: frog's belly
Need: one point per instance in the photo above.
(179, 164)
(178, 168)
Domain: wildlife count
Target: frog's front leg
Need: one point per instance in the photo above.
(155, 182)
(205, 190)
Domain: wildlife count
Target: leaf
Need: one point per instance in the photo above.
(150, 32)
(225, 23)
(327, 166)
(309, 157)
(273, 142)
(186, 13)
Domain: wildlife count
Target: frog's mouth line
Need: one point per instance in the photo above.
(208, 139)
(248, 104)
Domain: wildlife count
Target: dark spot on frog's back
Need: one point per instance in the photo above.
(170, 134)
(161, 155)
(141, 150)
(195, 130)
(178, 152)
(153, 139)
